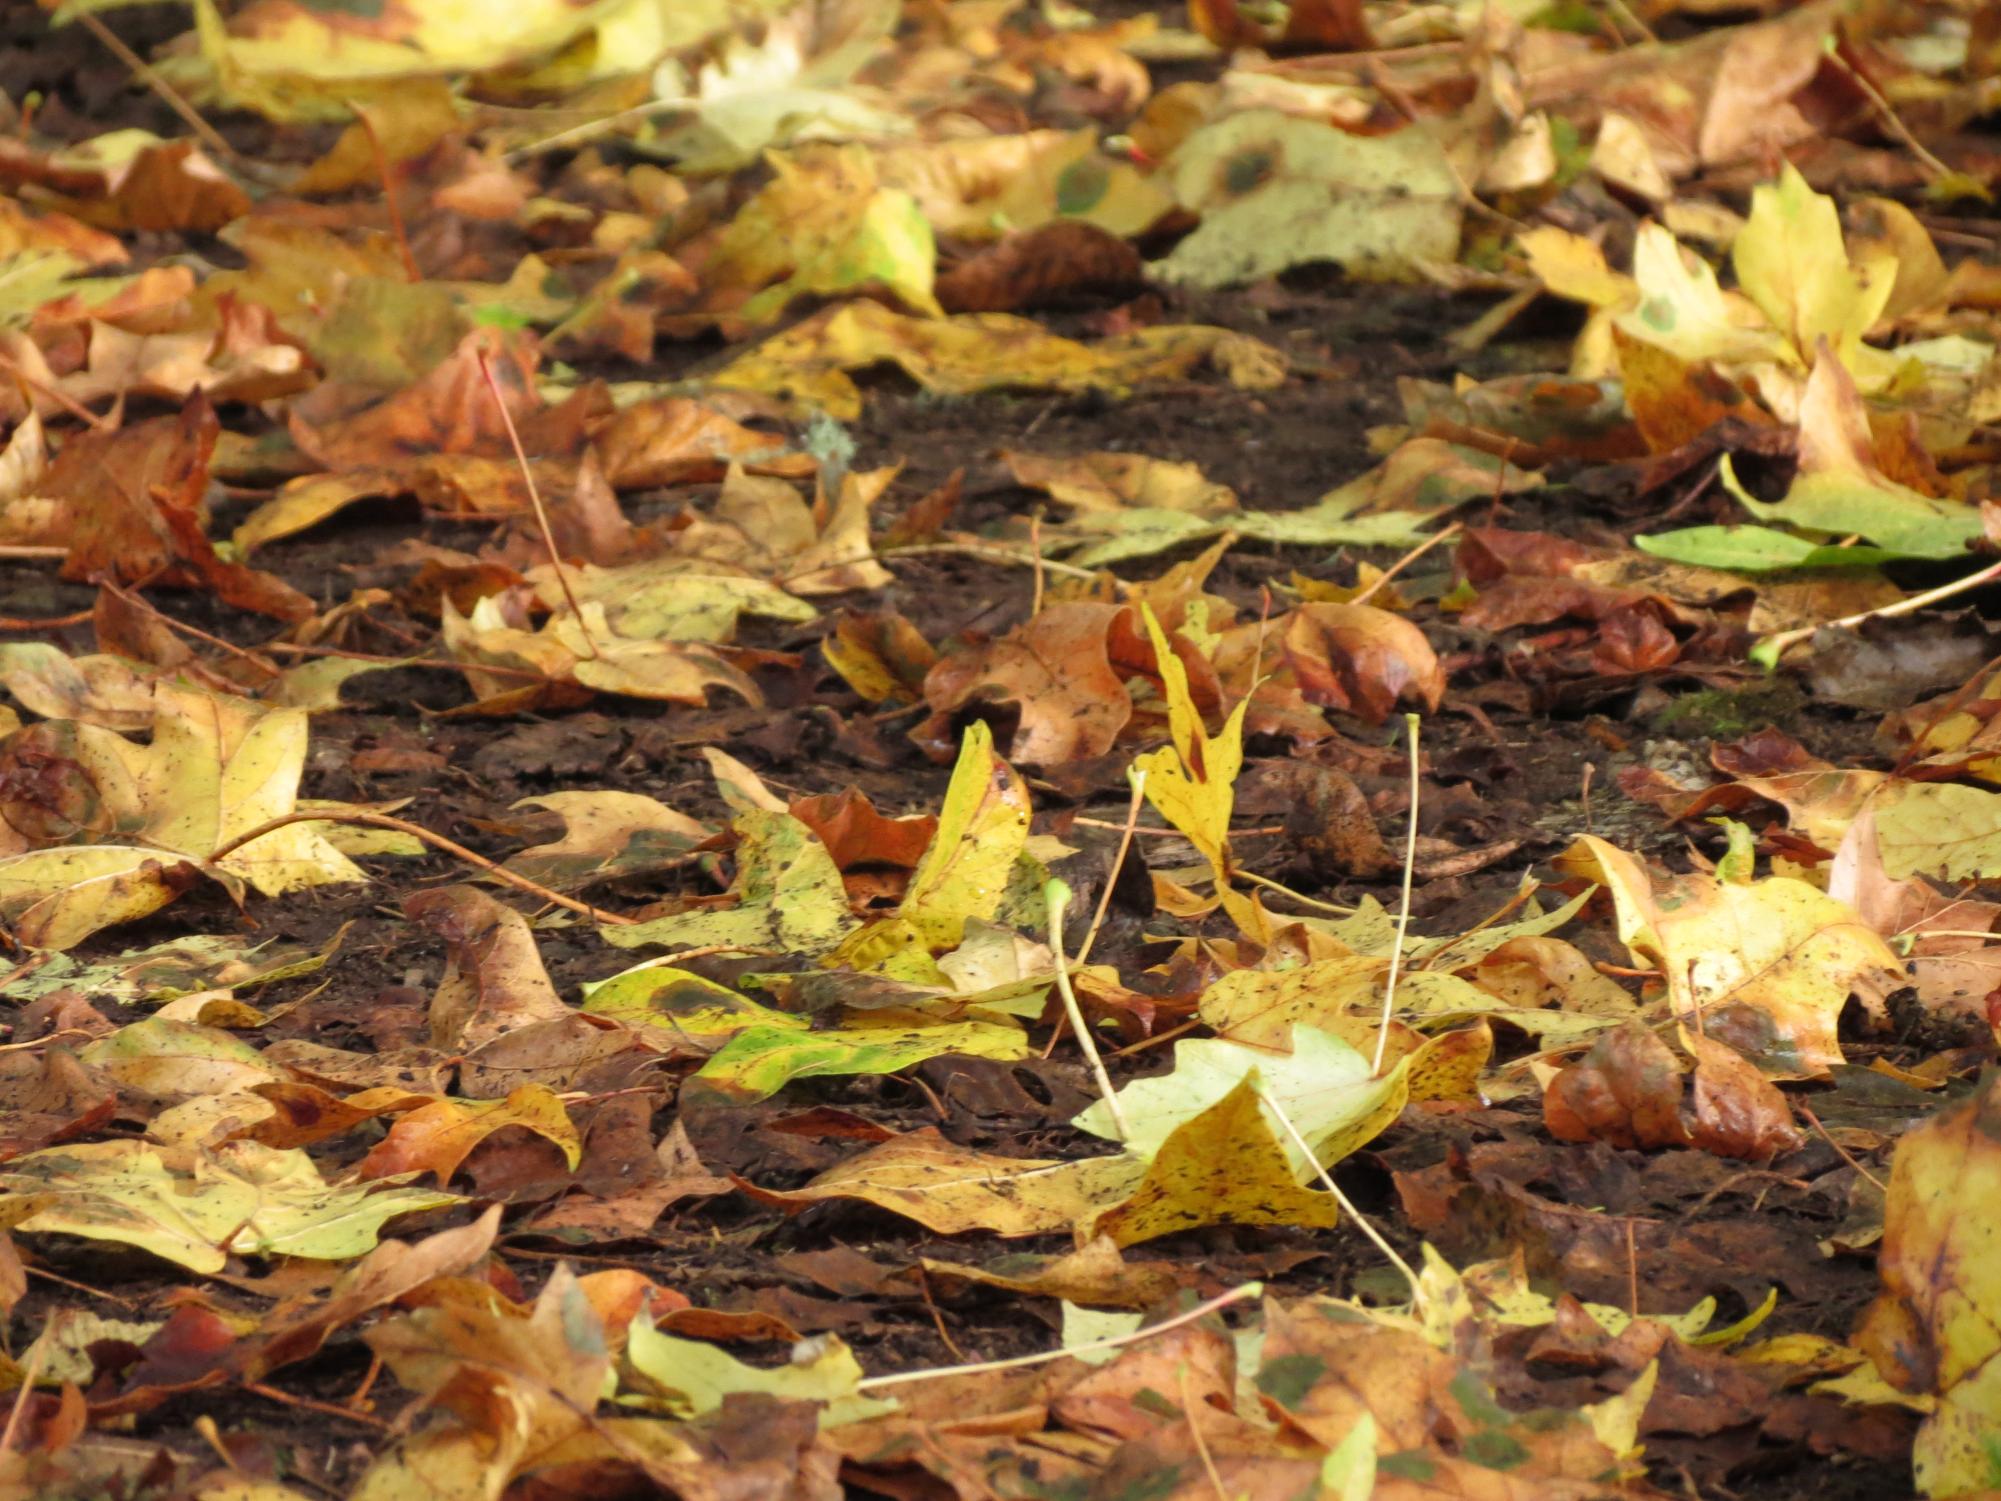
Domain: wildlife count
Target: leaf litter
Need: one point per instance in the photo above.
(578, 590)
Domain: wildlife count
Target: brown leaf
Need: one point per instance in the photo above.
(135, 501)
(1362, 659)
(494, 981)
(1029, 267)
(1626, 1091)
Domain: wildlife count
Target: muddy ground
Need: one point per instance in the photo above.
(1508, 756)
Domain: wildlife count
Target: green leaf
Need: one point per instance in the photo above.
(694, 1377)
(790, 898)
(1844, 503)
(1756, 549)
(197, 1208)
(982, 829)
(1323, 1085)
(760, 1061)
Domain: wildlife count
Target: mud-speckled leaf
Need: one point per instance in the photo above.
(1227, 1164)
(789, 893)
(982, 830)
(761, 1060)
(1935, 1328)
(197, 1208)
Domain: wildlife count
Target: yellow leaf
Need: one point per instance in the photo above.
(1765, 967)
(1935, 1329)
(1224, 1166)
(1193, 781)
(982, 830)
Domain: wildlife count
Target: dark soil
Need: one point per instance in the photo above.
(1537, 770)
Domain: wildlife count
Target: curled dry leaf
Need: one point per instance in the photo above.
(1362, 659)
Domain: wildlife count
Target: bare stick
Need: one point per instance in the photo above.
(48, 623)
(1347, 1206)
(1768, 651)
(1411, 557)
(169, 95)
(61, 398)
(439, 841)
(1403, 907)
(1188, 1406)
(410, 271)
(1137, 776)
(29, 552)
(535, 499)
(29, 1377)
(1035, 546)
(1282, 889)
(990, 553)
(1884, 109)
(1839, 1150)
(1057, 894)
(1238, 1294)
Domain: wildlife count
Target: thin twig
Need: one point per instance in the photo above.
(308, 1404)
(28, 552)
(1886, 111)
(29, 1376)
(1137, 776)
(1283, 890)
(989, 553)
(61, 398)
(1347, 1205)
(52, 623)
(367, 123)
(439, 841)
(1035, 546)
(1188, 1406)
(1839, 1150)
(1057, 894)
(1409, 558)
(527, 674)
(1202, 1310)
(535, 499)
(1769, 650)
(138, 602)
(169, 95)
(1403, 907)
(1160, 833)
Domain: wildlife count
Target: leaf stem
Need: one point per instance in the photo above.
(1767, 652)
(1347, 1205)
(1238, 1294)
(535, 499)
(1403, 906)
(439, 841)
(1057, 894)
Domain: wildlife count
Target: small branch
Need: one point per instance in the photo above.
(1839, 1150)
(1411, 557)
(1238, 1294)
(138, 602)
(1403, 907)
(1767, 652)
(368, 129)
(1283, 890)
(48, 623)
(535, 499)
(1057, 894)
(992, 554)
(169, 95)
(1347, 1206)
(1137, 776)
(61, 398)
(438, 841)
